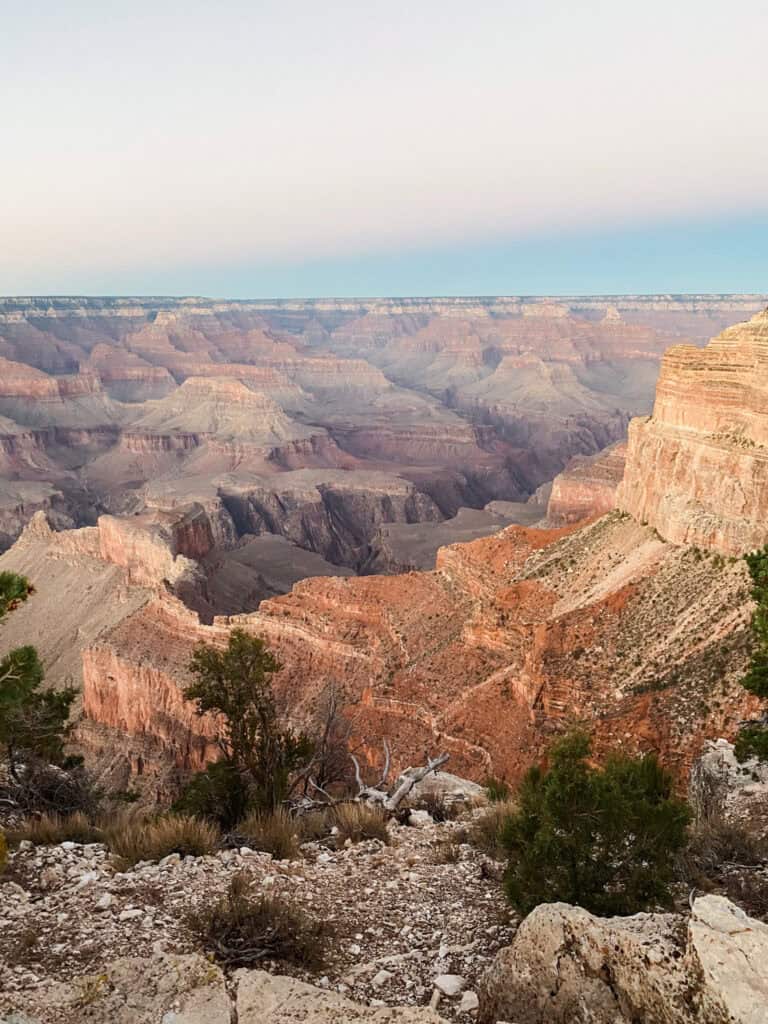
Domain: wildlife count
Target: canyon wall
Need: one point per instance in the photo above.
(697, 468)
(510, 640)
(587, 486)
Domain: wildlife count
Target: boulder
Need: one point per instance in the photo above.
(444, 786)
(274, 999)
(567, 966)
(189, 989)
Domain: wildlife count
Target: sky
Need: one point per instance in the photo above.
(297, 148)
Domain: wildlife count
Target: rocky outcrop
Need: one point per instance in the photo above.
(697, 469)
(568, 967)
(587, 486)
(156, 546)
(723, 789)
(189, 989)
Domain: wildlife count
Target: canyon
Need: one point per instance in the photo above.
(394, 543)
(121, 405)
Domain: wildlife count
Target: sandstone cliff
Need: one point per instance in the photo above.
(511, 638)
(587, 486)
(697, 469)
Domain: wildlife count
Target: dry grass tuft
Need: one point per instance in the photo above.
(277, 833)
(134, 839)
(314, 826)
(359, 821)
(244, 932)
(447, 852)
(51, 829)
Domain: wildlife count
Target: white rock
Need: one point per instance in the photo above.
(469, 1002)
(625, 969)
(87, 879)
(449, 984)
(381, 978)
(418, 819)
(104, 902)
(130, 915)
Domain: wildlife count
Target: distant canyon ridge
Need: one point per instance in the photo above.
(271, 441)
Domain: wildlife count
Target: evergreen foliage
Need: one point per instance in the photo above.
(752, 740)
(602, 838)
(33, 722)
(236, 684)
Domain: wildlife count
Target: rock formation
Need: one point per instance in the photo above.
(587, 486)
(530, 628)
(568, 967)
(723, 789)
(697, 469)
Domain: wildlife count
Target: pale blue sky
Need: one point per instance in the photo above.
(438, 147)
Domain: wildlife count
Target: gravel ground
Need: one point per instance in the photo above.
(403, 915)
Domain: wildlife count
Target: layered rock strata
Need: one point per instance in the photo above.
(697, 468)
(511, 639)
(587, 486)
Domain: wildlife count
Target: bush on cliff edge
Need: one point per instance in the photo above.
(602, 838)
(261, 755)
(752, 740)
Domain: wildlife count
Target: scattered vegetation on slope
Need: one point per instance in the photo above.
(136, 839)
(261, 755)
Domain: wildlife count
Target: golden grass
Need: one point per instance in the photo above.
(134, 839)
(485, 831)
(51, 829)
(276, 833)
(359, 821)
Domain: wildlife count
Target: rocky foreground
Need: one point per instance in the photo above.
(414, 922)
(420, 935)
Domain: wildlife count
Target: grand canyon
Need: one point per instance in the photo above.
(443, 491)
(383, 513)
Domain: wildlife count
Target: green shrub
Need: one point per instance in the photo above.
(752, 740)
(33, 722)
(244, 932)
(604, 839)
(275, 832)
(236, 684)
(134, 839)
